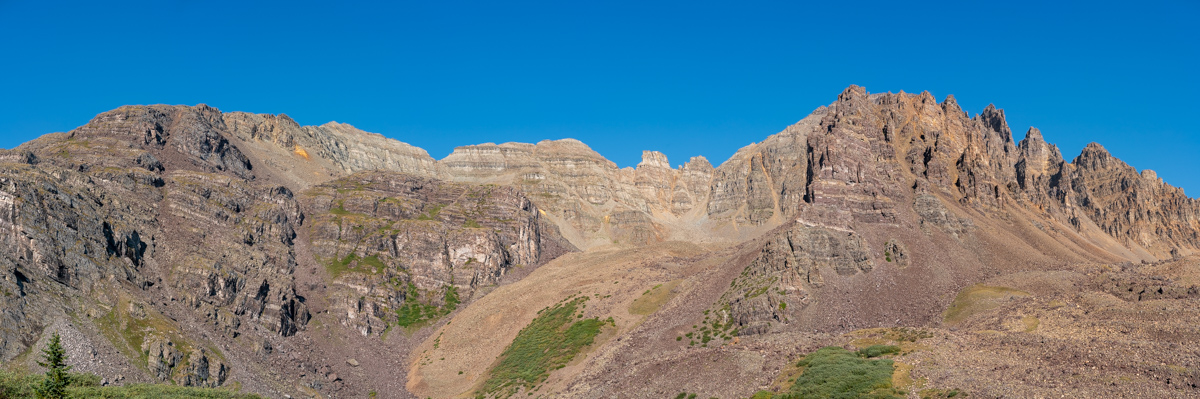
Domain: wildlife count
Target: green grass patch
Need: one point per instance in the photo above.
(653, 299)
(471, 223)
(451, 298)
(21, 385)
(415, 314)
(337, 266)
(346, 188)
(1031, 323)
(835, 373)
(548, 343)
(128, 332)
(760, 290)
(340, 210)
(976, 299)
(352, 262)
(374, 262)
(432, 214)
(878, 350)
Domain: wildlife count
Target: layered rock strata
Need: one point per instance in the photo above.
(391, 241)
(141, 206)
(178, 233)
(878, 163)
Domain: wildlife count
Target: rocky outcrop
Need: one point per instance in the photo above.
(933, 212)
(778, 283)
(1140, 210)
(234, 258)
(149, 137)
(204, 370)
(875, 163)
(855, 161)
(589, 194)
(161, 357)
(1125, 282)
(393, 241)
(871, 152)
(697, 175)
(764, 181)
(330, 150)
(894, 251)
(762, 184)
(153, 203)
(846, 181)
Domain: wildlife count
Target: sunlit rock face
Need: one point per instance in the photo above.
(389, 240)
(196, 247)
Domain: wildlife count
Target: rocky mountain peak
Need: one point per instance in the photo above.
(851, 92)
(654, 159)
(698, 162)
(1034, 136)
(572, 150)
(993, 119)
(1094, 156)
(1034, 147)
(1150, 175)
(950, 106)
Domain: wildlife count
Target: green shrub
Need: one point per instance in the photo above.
(836, 373)
(763, 395)
(22, 385)
(18, 385)
(548, 343)
(414, 313)
(878, 350)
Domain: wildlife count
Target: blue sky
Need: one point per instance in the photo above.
(685, 78)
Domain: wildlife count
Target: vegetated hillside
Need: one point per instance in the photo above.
(186, 245)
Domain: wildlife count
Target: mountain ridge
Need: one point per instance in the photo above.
(200, 247)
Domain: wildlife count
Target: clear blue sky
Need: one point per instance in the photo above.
(685, 78)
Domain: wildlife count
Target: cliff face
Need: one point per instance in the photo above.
(870, 155)
(595, 201)
(856, 160)
(392, 241)
(169, 245)
(148, 208)
(762, 184)
(314, 154)
(888, 165)
(1140, 210)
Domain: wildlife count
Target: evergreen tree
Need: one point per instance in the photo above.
(55, 384)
